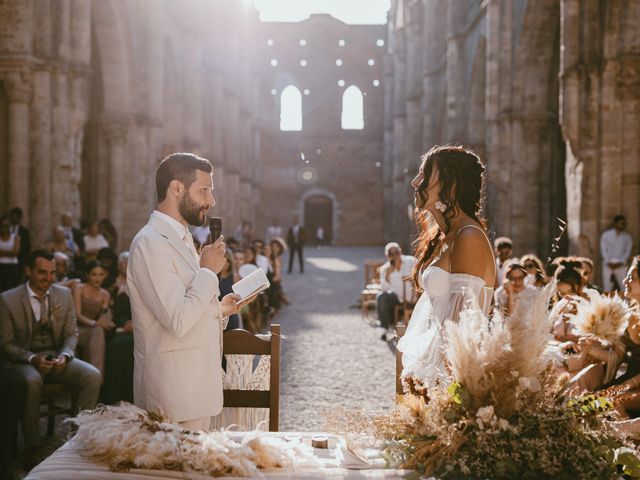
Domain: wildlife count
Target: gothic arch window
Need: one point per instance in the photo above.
(291, 109)
(352, 109)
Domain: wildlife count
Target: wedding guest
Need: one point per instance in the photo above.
(9, 250)
(94, 317)
(71, 233)
(295, 240)
(274, 230)
(108, 231)
(319, 236)
(504, 252)
(615, 249)
(275, 292)
(59, 243)
(43, 352)
(261, 260)
(109, 261)
(118, 380)
(227, 280)
(587, 273)
(395, 286)
(238, 261)
(535, 271)
(232, 244)
(93, 242)
(247, 232)
(63, 276)
(506, 296)
(249, 264)
(15, 219)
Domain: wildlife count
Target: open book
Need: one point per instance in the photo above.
(251, 285)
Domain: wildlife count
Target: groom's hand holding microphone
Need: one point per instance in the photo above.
(213, 258)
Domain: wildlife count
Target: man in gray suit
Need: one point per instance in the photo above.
(38, 337)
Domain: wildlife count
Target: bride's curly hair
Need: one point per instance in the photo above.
(462, 181)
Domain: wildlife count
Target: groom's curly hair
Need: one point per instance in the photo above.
(462, 179)
(179, 166)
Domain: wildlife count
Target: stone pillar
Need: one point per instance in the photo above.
(19, 91)
(41, 176)
(115, 132)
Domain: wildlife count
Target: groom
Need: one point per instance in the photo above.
(177, 318)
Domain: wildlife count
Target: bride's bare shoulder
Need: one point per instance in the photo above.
(471, 253)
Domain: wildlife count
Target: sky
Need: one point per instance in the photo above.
(349, 11)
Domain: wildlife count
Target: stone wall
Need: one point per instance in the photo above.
(323, 160)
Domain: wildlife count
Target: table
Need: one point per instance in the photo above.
(66, 463)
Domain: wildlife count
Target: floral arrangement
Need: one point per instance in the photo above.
(601, 316)
(126, 437)
(504, 415)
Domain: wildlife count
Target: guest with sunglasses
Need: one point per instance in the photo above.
(506, 296)
(535, 271)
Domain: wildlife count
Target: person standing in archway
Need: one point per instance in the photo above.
(295, 240)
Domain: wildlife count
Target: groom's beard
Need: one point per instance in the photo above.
(193, 213)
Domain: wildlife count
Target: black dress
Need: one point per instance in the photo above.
(118, 381)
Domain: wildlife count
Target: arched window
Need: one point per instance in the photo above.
(352, 109)
(291, 109)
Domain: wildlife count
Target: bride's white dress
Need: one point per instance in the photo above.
(444, 296)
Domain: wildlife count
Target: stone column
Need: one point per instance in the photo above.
(18, 86)
(115, 132)
(41, 177)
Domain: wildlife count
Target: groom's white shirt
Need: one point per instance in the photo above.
(177, 323)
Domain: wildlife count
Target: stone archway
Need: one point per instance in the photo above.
(319, 207)
(318, 213)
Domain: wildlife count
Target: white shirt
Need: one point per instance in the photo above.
(395, 284)
(502, 268)
(502, 298)
(93, 244)
(615, 247)
(8, 245)
(272, 232)
(35, 302)
(183, 233)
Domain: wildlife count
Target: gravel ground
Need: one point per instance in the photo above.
(331, 356)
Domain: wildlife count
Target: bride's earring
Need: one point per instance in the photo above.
(440, 206)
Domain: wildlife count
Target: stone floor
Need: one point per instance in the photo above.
(331, 356)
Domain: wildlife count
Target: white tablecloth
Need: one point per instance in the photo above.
(67, 464)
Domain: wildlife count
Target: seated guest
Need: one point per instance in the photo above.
(587, 273)
(226, 282)
(59, 243)
(535, 271)
(118, 381)
(94, 317)
(108, 231)
(506, 296)
(249, 264)
(261, 259)
(9, 250)
(395, 287)
(109, 261)
(238, 261)
(93, 242)
(504, 252)
(38, 336)
(63, 276)
(71, 233)
(278, 247)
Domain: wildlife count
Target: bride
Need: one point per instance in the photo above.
(454, 258)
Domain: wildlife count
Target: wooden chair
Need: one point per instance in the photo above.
(241, 342)
(51, 391)
(400, 329)
(371, 285)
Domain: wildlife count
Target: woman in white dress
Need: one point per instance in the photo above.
(455, 261)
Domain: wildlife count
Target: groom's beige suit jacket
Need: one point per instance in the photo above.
(177, 325)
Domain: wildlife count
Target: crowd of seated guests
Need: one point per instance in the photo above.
(243, 258)
(82, 262)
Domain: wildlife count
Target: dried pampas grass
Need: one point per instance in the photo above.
(604, 317)
(125, 437)
(490, 358)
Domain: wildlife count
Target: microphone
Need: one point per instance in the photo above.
(215, 227)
